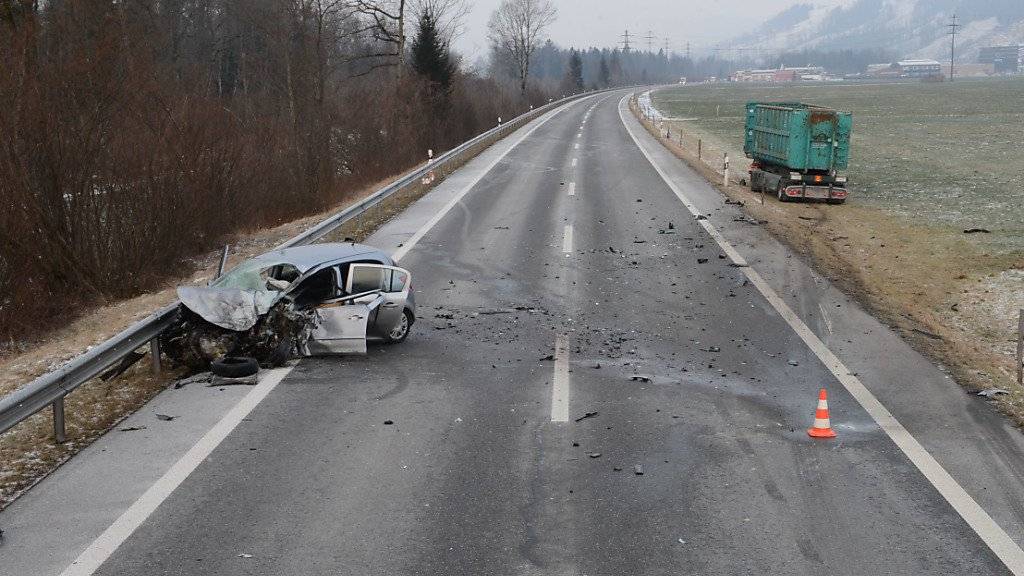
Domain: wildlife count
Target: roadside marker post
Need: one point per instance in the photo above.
(725, 171)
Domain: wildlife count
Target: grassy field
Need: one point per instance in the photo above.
(937, 154)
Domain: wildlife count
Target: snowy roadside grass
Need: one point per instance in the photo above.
(953, 296)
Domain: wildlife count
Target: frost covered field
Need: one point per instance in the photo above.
(942, 155)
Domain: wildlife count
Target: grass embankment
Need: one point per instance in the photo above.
(929, 161)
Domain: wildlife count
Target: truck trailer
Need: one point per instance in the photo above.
(798, 150)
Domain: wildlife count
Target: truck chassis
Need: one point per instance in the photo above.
(790, 185)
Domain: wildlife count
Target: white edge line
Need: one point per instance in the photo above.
(560, 382)
(115, 535)
(976, 517)
(411, 242)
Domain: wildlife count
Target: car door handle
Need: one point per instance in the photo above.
(390, 305)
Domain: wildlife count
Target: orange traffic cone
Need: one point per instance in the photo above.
(822, 428)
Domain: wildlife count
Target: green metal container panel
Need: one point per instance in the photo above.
(798, 136)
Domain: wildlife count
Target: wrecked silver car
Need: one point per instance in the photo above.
(306, 300)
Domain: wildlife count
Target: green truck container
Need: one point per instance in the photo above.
(798, 150)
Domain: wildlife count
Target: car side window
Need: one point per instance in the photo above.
(397, 280)
(365, 279)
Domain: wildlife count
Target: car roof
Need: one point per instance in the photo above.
(312, 255)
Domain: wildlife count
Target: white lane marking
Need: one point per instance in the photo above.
(987, 529)
(576, 147)
(572, 188)
(567, 240)
(574, 162)
(825, 317)
(560, 382)
(579, 134)
(108, 542)
(411, 242)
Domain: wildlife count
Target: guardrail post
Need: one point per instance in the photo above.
(154, 355)
(223, 261)
(700, 146)
(59, 434)
(1020, 349)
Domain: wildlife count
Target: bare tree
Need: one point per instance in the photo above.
(447, 15)
(386, 21)
(516, 28)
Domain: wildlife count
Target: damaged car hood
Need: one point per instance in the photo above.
(229, 308)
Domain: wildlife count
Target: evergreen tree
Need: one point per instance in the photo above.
(574, 73)
(604, 75)
(430, 55)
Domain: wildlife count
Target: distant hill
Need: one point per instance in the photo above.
(915, 28)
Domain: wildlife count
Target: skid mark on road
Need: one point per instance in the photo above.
(976, 517)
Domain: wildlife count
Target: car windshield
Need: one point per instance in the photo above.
(259, 276)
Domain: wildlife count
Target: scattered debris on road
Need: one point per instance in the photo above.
(594, 454)
(638, 470)
(165, 417)
(131, 429)
(585, 416)
(977, 231)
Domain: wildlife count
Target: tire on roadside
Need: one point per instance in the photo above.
(234, 366)
(780, 191)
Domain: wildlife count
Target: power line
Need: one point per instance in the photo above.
(953, 27)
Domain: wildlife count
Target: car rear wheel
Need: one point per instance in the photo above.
(400, 332)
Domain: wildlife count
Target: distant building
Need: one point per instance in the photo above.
(808, 73)
(918, 68)
(1004, 59)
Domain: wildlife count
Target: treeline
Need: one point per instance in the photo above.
(848, 61)
(553, 68)
(137, 133)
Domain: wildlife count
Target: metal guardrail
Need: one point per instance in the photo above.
(51, 388)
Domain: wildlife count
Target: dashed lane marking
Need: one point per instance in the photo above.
(560, 381)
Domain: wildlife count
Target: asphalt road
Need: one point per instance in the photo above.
(570, 280)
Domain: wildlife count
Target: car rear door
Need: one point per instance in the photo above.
(393, 284)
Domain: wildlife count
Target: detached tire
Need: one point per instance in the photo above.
(234, 367)
(780, 191)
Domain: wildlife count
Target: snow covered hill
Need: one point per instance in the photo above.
(916, 28)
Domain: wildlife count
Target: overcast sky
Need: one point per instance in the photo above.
(585, 23)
